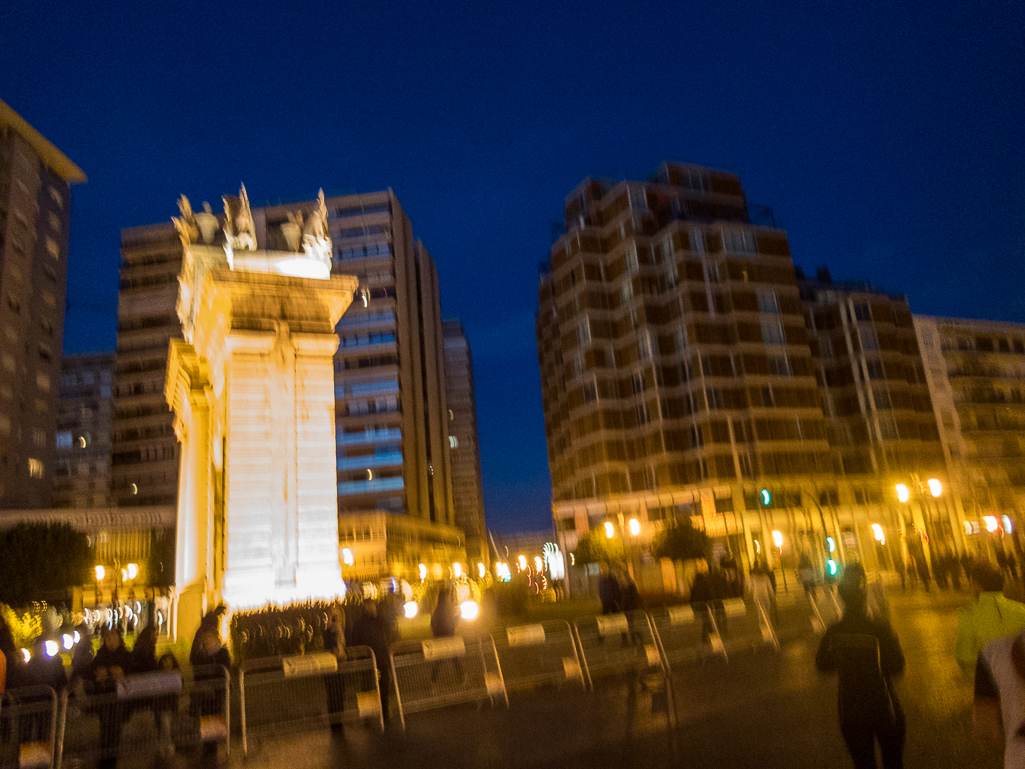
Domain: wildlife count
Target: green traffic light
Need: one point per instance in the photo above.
(831, 565)
(766, 497)
(831, 544)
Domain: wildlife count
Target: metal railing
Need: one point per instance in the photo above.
(309, 691)
(542, 654)
(614, 644)
(446, 671)
(743, 626)
(29, 727)
(686, 634)
(147, 715)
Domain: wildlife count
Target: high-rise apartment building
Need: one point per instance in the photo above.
(464, 447)
(35, 208)
(679, 378)
(391, 417)
(976, 374)
(84, 418)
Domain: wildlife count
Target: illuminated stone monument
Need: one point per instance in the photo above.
(252, 389)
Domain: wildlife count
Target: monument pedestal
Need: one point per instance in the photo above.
(252, 388)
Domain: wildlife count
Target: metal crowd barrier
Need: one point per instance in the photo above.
(29, 726)
(793, 614)
(827, 607)
(446, 671)
(617, 643)
(686, 634)
(308, 691)
(538, 655)
(148, 715)
(743, 626)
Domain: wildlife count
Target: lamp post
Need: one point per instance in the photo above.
(777, 540)
(904, 494)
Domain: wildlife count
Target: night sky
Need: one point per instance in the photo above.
(888, 138)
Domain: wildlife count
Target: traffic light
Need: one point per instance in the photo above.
(830, 545)
(831, 568)
(766, 497)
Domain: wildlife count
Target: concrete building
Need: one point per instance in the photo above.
(35, 212)
(976, 375)
(880, 421)
(464, 446)
(84, 418)
(679, 381)
(391, 417)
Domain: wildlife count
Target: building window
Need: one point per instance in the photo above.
(767, 399)
(64, 439)
(862, 312)
(714, 397)
(882, 399)
(697, 241)
(681, 339)
(35, 468)
(627, 290)
(453, 442)
(696, 438)
(43, 381)
(643, 414)
(637, 381)
(737, 241)
(888, 428)
(590, 392)
(869, 340)
(667, 250)
(53, 248)
(768, 304)
(583, 332)
(644, 347)
(772, 332)
(779, 365)
(632, 264)
(875, 369)
(638, 200)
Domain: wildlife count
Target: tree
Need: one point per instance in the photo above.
(42, 562)
(595, 547)
(679, 541)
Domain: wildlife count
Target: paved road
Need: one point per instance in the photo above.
(763, 710)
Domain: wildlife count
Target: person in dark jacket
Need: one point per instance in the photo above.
(208, 657)
(334, 643)
(369, 630)
(144, 653)
(110, 665)
(867, 654)
(446, 613)
(210, 623)
(610, 591)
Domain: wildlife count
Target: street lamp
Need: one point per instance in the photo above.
(935, 487)
(610, 530)
(777, 540)
(634, 526)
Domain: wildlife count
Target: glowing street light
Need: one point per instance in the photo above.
(610, 530)
(347, 557)
(481, 571)
(635, 526)
(877, 534)
(991, 522)
(777, 538)
(522, 561)
(422, 568)
(457, 569)
(410, 609)
(469, 610)
(133, 571)
(100, 573)
(903, 492)
(935, 487)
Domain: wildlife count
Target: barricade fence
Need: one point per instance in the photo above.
(686, 634)
(542, 654)
(147, 715)
(446, 671)
(29, 727)
(743, 626)
(308, 691)
(617, 643)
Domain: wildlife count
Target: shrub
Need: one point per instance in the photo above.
(279, 630)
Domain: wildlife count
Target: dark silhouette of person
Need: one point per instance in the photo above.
(610, 591)
(144, 653)
(867, 654)
(110, 665)
(369, 630)
(445, 616)
(334, 683)
(208, 697)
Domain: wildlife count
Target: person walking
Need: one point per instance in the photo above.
(866, 654)
(208, 698)
(610, 591)
(992, 616)
(999, 704)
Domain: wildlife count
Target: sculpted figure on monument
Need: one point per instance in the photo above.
(186, 223)
(239, 228)
(316, 240)
(292, 230)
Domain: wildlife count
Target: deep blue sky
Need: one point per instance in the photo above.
(888, 138)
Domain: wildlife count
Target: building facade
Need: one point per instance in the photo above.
(392, 450)
(464, 446)
(84, 419)
(976, 374)
(35, 208)
(682, 377)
